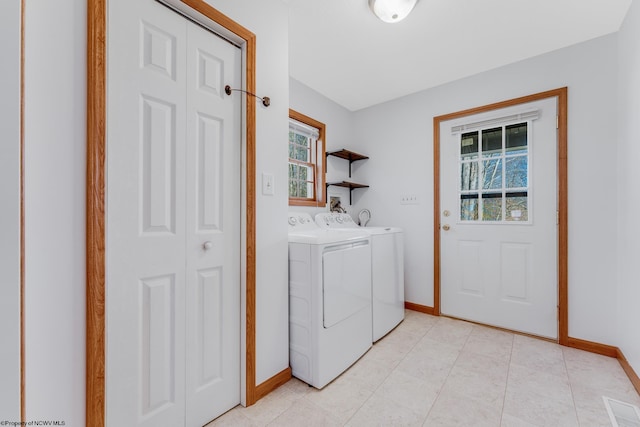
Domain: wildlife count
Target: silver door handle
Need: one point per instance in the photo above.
(207, 245)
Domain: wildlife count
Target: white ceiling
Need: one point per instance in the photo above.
(340, 49)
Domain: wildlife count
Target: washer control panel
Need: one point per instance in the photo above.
(335, 220)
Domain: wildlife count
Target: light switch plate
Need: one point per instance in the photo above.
(409, 199)
(267, 184)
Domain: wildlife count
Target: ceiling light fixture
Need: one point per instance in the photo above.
(392, 10)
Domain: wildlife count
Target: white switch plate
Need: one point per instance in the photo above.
(409, 199)
(267, 184)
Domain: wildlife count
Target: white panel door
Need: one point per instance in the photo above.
(499, 218)
(213, 227)
(173, 203)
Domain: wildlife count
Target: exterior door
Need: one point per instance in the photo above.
(499, 218)
(173, 220)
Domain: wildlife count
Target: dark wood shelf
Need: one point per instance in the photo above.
(346, 184)
(348, 155)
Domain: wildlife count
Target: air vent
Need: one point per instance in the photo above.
(622, 414)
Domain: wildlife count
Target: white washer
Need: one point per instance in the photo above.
(329, 299)
(387, 253)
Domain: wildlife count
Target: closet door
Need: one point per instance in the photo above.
(213, 226)
(173, 204)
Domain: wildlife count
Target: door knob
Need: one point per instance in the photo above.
(207, 245)
(446, 227)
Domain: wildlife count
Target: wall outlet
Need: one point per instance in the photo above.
(409, 199)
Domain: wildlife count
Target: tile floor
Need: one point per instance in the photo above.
(436, 371)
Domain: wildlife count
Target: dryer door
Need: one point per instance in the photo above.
(346, 284)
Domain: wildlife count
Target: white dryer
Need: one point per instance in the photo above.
(329, 299)
(387, 253)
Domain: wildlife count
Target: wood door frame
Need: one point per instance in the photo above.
(96, 214)
(562, 188)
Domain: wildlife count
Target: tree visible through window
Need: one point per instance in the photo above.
(306, 160)
(494, 174)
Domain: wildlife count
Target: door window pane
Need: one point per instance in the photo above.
(517, 207)
(469, 208)
(469, 176)
(492, 142)
(492, 207)
(469, 146)
(516, 137)
(492, 174)
(516, 169)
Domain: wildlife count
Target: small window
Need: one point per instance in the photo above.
(306, 160)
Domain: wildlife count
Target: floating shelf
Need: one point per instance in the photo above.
(346, 184)
(348, 155)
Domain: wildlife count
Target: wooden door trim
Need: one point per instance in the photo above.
(95, 208)
(563, 248)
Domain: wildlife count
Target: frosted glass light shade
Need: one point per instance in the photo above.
(392, 10)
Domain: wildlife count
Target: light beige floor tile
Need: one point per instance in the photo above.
(403, 341)
(417, 324)
(596, 371)
(424, 368)
(450, 331)
(305, 413)
(387, 354)
(533, 382)
(431, 349)
(490, 342)
(478, 377)
(341, 399)
(484, 364)
(367, 373)
(590, 405)
(538, 355)
(452, 409)
(409, 392)
(378, 411)
(537, 409)
(509, 421)
(292, 390)
(539, 398)
(267, 409)
(234, 418)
